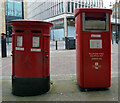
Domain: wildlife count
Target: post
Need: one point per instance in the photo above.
(116, 22)
(119, 33)
(53, 37)
(53, 32)
(7, 35)
(112, 33)
(3, 45)
(7, 25)
(56, 45)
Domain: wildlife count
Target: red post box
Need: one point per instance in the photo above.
(93, 52)
(30, 60)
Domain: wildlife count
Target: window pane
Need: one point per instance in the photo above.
(75, 5)
(68, 6)
(18, 9)
(5, 8)
(79, 5)
(72, 5)
(14, 8)
(10, 8)
(62, 6)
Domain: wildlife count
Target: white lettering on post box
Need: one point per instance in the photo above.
(36, 40)
(19, 41)
(96, 44)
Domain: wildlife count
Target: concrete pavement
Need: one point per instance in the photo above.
(63, 76)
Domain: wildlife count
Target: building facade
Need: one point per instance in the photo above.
(118, 10)
(115, 21)
(13, 10)
(2, 17)
(60, 13)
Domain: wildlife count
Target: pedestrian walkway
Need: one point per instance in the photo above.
(60, 45)
(63, 77)
(8, 48)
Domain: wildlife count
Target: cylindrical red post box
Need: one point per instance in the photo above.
(30, 57)
(93, 52)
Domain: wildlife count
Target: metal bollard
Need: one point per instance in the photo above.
(3, 45)
(56, 45)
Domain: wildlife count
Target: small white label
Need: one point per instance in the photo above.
(38, 50)
(95, 35)
(96, 44)
(96, 67)
(18, 48)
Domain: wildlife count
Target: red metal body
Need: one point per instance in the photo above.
(30, 61)
(93, 63)
(30, 57)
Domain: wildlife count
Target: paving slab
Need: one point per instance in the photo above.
(64, 90)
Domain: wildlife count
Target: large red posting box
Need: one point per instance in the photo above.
(93, 52)
(30, 60)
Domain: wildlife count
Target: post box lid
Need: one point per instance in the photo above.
(98, 10)
(23, 22)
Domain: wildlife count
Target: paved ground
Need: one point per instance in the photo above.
(64, 88)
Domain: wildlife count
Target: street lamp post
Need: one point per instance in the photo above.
(118, 33)
(7, 33)
(53, 32)
(111, 25)
(116, 22)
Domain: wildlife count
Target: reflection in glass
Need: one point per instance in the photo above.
(13, 8)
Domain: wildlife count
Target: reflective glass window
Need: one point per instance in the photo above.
(13, 8)
(18, 8)
(68, 6)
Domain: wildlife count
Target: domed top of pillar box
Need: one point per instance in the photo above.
(30, 23)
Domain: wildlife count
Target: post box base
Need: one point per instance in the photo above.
(82, 89)
(30, 86)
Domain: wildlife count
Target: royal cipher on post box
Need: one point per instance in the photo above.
(30, 57)
(93, 52)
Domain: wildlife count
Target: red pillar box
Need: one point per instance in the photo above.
(30, 60)
(93, 53)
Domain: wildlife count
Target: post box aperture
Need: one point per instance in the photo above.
(91, 23)
(93, 50)
(30, 68)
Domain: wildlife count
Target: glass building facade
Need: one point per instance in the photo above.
(13, 10)
(60, 13)
(50, 8)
